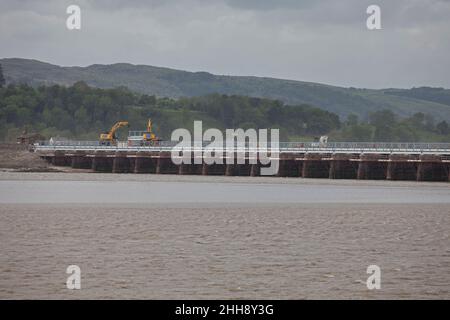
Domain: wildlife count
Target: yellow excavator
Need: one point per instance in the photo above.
(109, 138)
(149, 138)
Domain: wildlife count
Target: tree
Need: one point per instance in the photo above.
(442, 127)
(81, 118)
(352, 119)
(147, 100)
(429, 122)
(384, 121)
(359, 132)
(418, 120)
(2, 78)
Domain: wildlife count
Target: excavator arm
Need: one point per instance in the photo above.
(149, 125)
(117, 126)
(110, 137)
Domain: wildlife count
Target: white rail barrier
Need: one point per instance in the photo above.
(286, 147)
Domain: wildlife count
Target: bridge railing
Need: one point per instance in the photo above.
(283, 146)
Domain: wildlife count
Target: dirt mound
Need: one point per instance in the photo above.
(16, 156)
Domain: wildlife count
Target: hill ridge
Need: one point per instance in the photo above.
(173, 83)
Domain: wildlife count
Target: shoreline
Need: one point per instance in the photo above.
(132, 189)
(228, 205)
(68, 174)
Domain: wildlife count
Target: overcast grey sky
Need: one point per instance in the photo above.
(311, 40)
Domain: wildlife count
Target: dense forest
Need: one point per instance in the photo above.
(165, 82)
(82, 112)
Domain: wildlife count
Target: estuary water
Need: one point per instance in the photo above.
(194, 237)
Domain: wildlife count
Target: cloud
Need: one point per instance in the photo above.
(272, 5)
(323, 41)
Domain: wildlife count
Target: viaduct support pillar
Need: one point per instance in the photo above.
(300, 168)
(254, 170)
(399, 168)
(60, 159)
(145, 162)
(159, 165)
(205, 170)
(431, 168)
(101, 162)
(164, 164)
(341, 167)
(229, 170)
(334, 167)
(121, 164)
(362, 170)
(81, 161)
(371, 168)
(314, 166)
(282, 168)
(184, 169)
(390, 173)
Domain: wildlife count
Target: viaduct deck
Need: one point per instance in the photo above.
(340, 160)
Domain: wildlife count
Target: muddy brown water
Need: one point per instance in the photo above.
(172, 237)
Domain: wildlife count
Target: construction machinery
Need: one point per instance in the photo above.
(149, 137)
(109, 138)
(144, 138)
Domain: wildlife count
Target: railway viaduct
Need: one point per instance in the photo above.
(344, 160)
